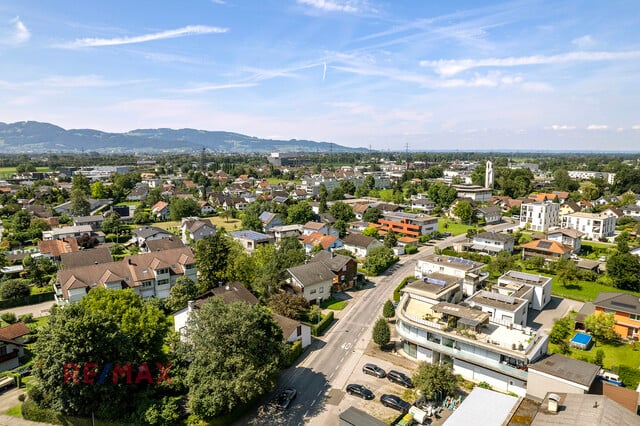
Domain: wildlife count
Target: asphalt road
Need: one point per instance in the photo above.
(320, 378)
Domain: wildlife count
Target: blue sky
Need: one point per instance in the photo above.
(434, 75)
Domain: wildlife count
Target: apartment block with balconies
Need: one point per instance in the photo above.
(593, 225)
(466, 270)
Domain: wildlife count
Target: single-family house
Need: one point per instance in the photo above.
(547, 248)
(491, 242)
(270, 220)
(631, 210)
(344, 268)
(425, 205)
(286, 231)
(323, 228)
(569, 207)
(206, 208)
(311, 280)
(250, 240)
(160, 210)
(146, 233)
(360, 245)
(567, 236)
(53, 249)
(10, 351)
(195, 228)
(626, 312)
(490, 214)
(327, 242)
(95, 221)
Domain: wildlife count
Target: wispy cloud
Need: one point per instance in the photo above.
(212, 87)
(451, 67)
(560, 127)
(17, 34)
(584, 42)
(218, 1)
(65, 82)
(597, 127)
(189, 30)
(635, 127)
(332, 6)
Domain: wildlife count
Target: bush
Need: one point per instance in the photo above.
(381, 333)
(31, 411)
(26, 318)
(9, 317)
(325, 322)
(484, 385)
(403, 283)
(293, 353)
(629, 376)
(22, 397)
(388, 310)
(15, 289)
(410, 249)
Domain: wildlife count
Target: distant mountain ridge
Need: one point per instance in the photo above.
(38, 137)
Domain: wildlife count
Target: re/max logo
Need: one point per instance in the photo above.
(90, 373)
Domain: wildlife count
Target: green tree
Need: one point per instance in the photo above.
(97, 190)
(563, 182)
(15, 289)
(566, 271)
(601, 326)
(622, 242)
(502, 263)
(300, 213)
(464, 211)
(370, 231)
(388, 310)
(378, 260)
(79, 204)
(624, 271)
(183, 207)
(21, 221)
(342, 211)
(183, 290)
(435, 380)
(323, 197)
(112, 223)
(589, 190)
(141, 217)
(212, 260)
(289, 305)
(381, 333)
(561, 330)
(251, 217)
(235, 353)
(106, 326)
(390, 239)
(441, 194)
(626, 199)
(81, 183)
(371, 214)
(478, 174)
(599, 359)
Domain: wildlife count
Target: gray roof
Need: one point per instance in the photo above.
(86, 257)
(249, 235)
(496, 300)
(474, 408)
(358, 240)
(494, 236)
(311, 273)
(584, 409)
(149, 231)
(356, 417)
(334, 261)
(573, 370)
(164, 244)
(621, 302)
(229, 293)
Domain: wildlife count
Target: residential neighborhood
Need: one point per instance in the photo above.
(527, 295)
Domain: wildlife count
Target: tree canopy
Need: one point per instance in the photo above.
(435, 380)
(235, 350)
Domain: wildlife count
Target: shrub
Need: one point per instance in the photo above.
(388, 310)
(22, 397)
(484, 385)
(9, 317)
(15, 289)
(381, 333)
(324, 323)
(293, 353)
(26, 318)
(403, 283)
(410, 249)
(31, 411)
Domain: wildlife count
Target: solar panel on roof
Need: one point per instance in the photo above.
(623, 305)
(435, 281)
(544, 244)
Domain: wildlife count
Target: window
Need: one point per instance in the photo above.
(163, 282)
(3, 350)
(312, 291)
(635, 317)
(299, 331)
(321, 290)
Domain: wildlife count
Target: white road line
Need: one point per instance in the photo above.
(306, 414)
(313, 402)
(320, 392)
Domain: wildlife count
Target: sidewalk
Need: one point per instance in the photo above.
(16, 421)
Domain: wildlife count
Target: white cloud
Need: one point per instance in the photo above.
(179, 32)
(560, 127)
(635, 127)
(218, 1)
(448, 67)
(64, 82)
(211, 87)
(597, 127)
(17, 34)
(332, 6)
(584, 42)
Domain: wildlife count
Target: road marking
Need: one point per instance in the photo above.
(320, 392)
(346, 346)
(306, 414)
(313, 402)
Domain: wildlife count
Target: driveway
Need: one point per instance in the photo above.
(37, 310)
(555, 309)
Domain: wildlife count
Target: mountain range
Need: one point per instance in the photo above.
(38, 137)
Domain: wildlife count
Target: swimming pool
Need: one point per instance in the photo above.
(581, 341)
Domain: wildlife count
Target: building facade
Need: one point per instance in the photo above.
(539, 216)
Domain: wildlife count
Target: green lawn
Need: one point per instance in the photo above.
(275, 181)
(334, 304)
(6, 172)
(447, 225)
(14, 411)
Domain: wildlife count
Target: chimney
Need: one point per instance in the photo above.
(553, 403)
(190, 306)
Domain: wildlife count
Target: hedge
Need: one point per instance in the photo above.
(410, 249)
(294, 352)
(325, 322)
(29, 300)
(31, 411)
(403, 283)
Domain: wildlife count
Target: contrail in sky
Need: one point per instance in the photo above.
(324, 73)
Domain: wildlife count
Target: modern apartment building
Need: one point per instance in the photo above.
(412, 225)
(539, 215)
(479, 348)
(593, 225)
(534, 288)
(466, 270)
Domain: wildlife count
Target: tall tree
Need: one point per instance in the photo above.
(300, 213)
(342, 211)
(235, 355)
(435, 380)
(601, 326)
(289, 305)
(464, 211)
(79, 204)
(183, 290)
(212, 259)
(381, 332)
(183, 207)
(624, 271)
(371, 214)
(390, 239)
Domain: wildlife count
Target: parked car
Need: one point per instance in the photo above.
(395, 402)
(359, 390)
(374, 370)
(399, 378)
(283, 401)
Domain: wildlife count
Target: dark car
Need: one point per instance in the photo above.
(283, 401)
(395, 402)
(359, 390)
(399, 378)
(374, 370)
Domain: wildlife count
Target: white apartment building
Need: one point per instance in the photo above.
(586, 175)
(593, 225)
(534, 288)
(540, 215)
(479, 348)
(466, 270)
(505, 310)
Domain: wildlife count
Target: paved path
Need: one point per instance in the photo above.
(38, 310)
(15, 421)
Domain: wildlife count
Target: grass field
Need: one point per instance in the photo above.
(334, 304)
(6, 172)
(220, 222)
(447, 225)
(275, 181)
(14, 411)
